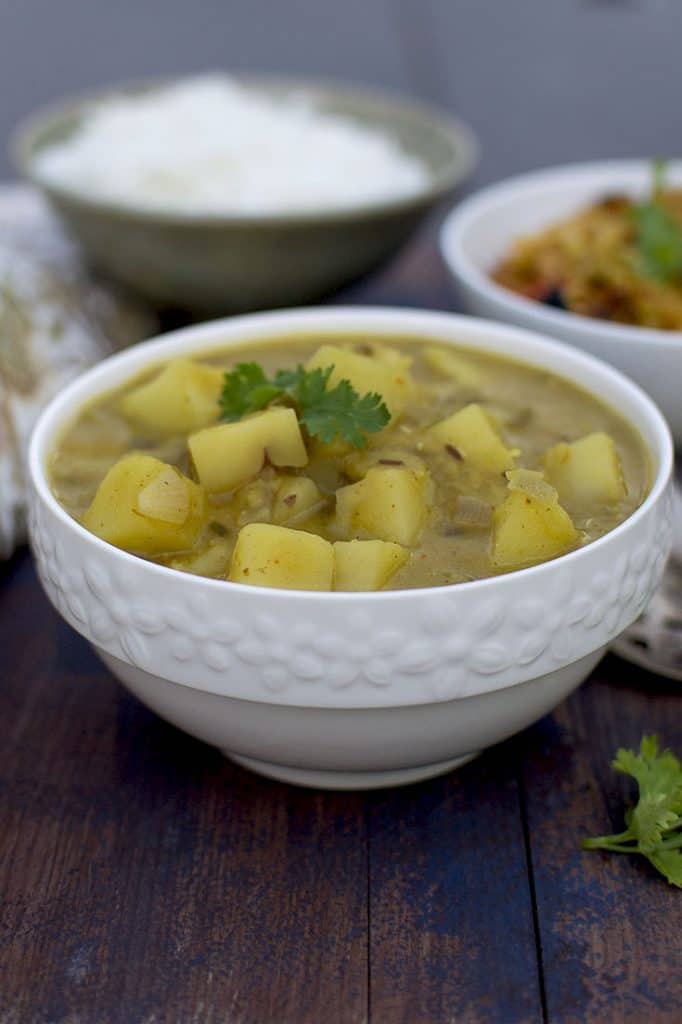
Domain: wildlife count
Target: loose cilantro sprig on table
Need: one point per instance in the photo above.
(325, 412)
(658, 234)
(654, 824)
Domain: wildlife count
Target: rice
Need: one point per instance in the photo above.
(207, 145)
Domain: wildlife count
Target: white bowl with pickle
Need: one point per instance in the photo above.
(351, 548)
(588, 253)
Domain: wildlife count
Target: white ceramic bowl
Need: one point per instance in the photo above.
(352, 690)
(480, 231)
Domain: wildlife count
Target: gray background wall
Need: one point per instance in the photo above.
(541, 81)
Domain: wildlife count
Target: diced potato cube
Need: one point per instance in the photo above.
(391, 357)
(274, 556)
(586, 472)
(328, 450)
(470, 436)
(294, 497)
(252, 503)
(527, 530)
(387, 377)
(213, 559)
(390, 504)
(366, 564)
(229, 454)
(182, 397)
(532, 483)
(453, 365)
(131, 510)
(165, 497)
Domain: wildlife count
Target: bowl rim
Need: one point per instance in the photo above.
(217, 334)
(457, 259)
(459, 135)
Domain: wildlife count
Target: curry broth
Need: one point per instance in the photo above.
(533, 410)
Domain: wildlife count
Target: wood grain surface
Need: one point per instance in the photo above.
(451, 926)
(146, 880)
(610, 931)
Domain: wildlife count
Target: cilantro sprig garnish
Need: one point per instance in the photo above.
(326, 412)
(654, 824)
(658, 234)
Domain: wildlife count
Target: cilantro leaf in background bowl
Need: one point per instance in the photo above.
(658, 234)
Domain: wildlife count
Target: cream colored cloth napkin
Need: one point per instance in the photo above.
(55, 321)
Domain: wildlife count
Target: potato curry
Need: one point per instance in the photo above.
(351, 463)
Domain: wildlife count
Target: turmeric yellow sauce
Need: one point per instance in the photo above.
(487, 465)
(591, 264)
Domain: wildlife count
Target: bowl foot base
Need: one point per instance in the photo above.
(320, 779)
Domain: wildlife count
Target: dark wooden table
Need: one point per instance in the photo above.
(146, 880)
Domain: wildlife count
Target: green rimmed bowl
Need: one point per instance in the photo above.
(215, 264)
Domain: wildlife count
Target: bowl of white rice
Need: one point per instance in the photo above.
(220, 194)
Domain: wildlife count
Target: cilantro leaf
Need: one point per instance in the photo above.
(341, 412)
(326, 412)
(246, 389)
(658, 234)
(659, 777)
(669, 863)
(292, 380)
(654, 822)
(658, 237)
